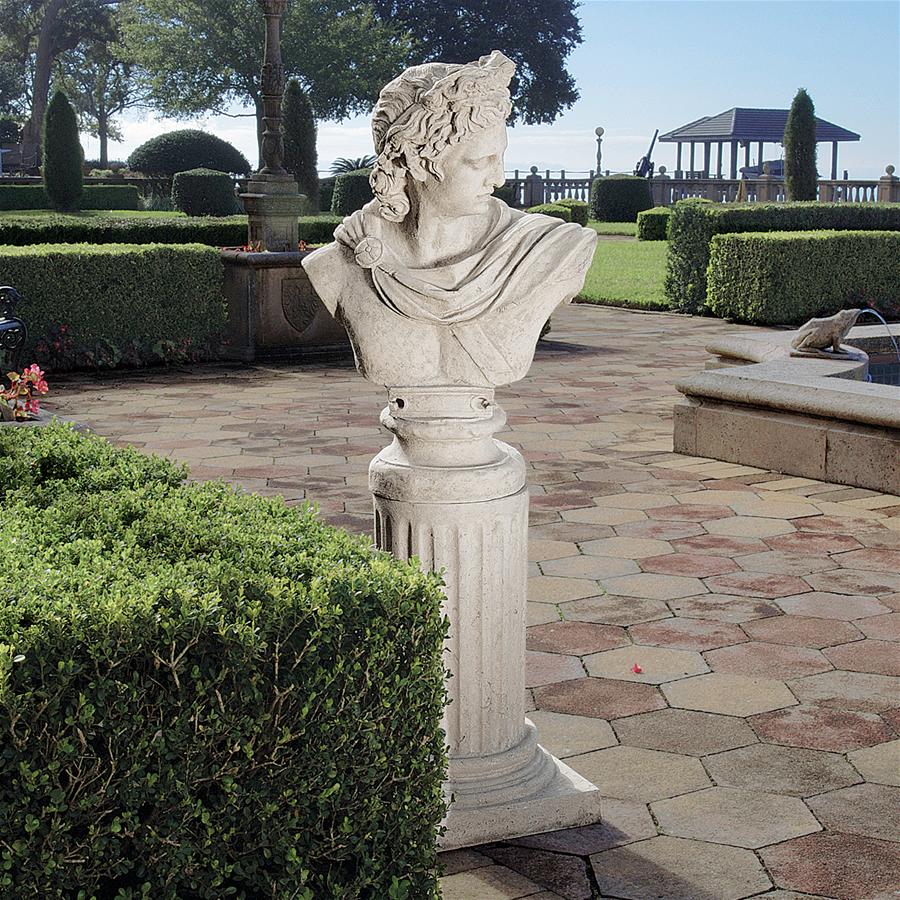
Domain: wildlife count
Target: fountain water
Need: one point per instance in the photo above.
(887, 376)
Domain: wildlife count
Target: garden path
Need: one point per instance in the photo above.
(757, 751)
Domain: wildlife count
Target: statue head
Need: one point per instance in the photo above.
(424, 115)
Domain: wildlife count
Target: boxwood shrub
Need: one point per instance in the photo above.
(187, 148)
(206, 694)
(230, 231)
(580, 209)
(204, 192)
(653, 224)
(352, 191)
(556, 210)
(117, 303)
(694, 222)
(786, 278)
(95, 196)
(619, 198)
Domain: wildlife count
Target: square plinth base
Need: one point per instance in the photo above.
(567, 802)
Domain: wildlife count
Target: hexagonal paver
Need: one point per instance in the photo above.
(660, 531)
(731, 695)
(802, 631)
(694, 565)
(547, 589)
(626, 547)
(648, 870)
(871, 810)
(855, 581)
(879, 764)
(754, 584)
(777, 563)
(827, 605)
(600, 697)
(849, 690)
(740, 818)
(540, 613)
(656, 664)
(835, 865)
(575, 638)
(684, 731)
(632, 773)
(638, 500)
(877, 657)
(747, 527)
(602, 515)
(883, 628)
(548, 668)
(819, 728)
(542, 550)
(590, 567)
(656, 587)
(724, 608)
(615, 610)
(563, 875)
(767, 660)
(487, 883)
(564, 735)
(772, 509)
(719, 544)
(808, 543)
(780, 770)
(687, 634)
(690, 512)
(875, 560)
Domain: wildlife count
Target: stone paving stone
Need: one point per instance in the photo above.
(487, 883)
(549, 668)
(453, 861)
(892, 601)
(752, 584)
(655, 587)
(821, 728)
(602, 515)
(541, 550)
(836, 865)
(564, 735)
(724, 608)
(569, 531)
(849, 690)
(667, 868)
(660, 531)
(826, 605)
(615, 610)
(540, 614)
(780, 770)
(802, 631)
(768, 660)
(748, 527)
(731, 695)
(725, 815)
(875, 560)
(565, 875)
(772, 509)
(626, 547)
(789, 895)
(690, 511)
(657, 664)
(637, 500)
(877, 657)
(870, 810)
(632, 773)
(592, 567)
(684, 731)
(696, 565)
(808, 543)
(879, 764)
(776, 562)
(855, 581)
(719, 545)
(602, 698)
(550, 589)
(687, 634)
(884, 628)
(575, 638)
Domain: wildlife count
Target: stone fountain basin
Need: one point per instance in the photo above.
(814, 418)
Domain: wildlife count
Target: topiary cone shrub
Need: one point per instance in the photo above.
(179, 151)
(352, 191)
(204, 693)
(62, 155)
(300, 157)
(800, 176)
(619, 198)
(204, 192)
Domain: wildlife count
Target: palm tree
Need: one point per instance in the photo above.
(342, 165)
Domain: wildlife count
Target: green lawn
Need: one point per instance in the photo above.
(627, 273)
(629, 228)
(89, 214)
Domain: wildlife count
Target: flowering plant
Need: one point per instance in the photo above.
(20, 399)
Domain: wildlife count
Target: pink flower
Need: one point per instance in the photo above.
(636, 669)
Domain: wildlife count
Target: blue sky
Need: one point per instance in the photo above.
(648, 64)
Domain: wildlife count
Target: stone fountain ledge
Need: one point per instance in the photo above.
(815, 418)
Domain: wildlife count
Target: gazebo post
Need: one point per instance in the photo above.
(706, 154)
(719, 159)
(834, 158)
(692, 157)
(759, 150)
(747, 155)
(678, 172)
(734, 151)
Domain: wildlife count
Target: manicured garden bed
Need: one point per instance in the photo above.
(627, 273)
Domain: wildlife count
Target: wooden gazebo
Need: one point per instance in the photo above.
(742, 126)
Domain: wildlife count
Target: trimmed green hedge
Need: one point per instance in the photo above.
(204, 192)
(206, 694)
(619, 198)
(653, 224)
(694, 222)
(786, 278)
(579, 208)
(95, 196)
(117, 304)
(188, 148)
(352, 191)
(229, 231)
(552, 209)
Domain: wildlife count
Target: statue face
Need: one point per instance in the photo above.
(472, 169)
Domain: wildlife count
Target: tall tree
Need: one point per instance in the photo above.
(300, 155)
(205, 57)
(800, 149)
(538, 35)
(63, 156)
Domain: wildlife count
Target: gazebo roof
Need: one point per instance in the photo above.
(743, 124)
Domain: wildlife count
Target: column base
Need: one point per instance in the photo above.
(520, 792)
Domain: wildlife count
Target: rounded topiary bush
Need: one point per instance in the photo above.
(554, 210)
(204, 192)
(352, 191)
(178, 151)
(619, 198)
(63, 156)
(579, 209)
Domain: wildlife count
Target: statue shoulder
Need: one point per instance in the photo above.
(328, 269)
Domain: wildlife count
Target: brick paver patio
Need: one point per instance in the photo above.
(713, 645)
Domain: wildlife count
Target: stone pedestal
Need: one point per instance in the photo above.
(273, 203)
(450, 494)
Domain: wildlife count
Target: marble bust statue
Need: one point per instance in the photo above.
(436, 281)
